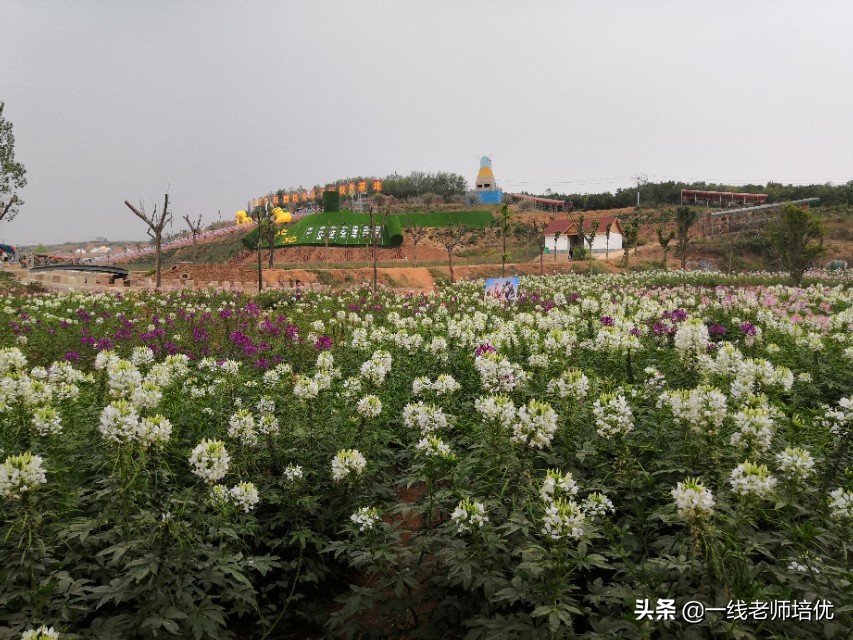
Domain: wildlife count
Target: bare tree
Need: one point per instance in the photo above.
(156, 222)
(664, 240)
(195, 229)
(451, 237)
(417, 232)
(262, 216)
(375, 237)
(607, 240)
(506, 217)
(590, 238)
(557, 235)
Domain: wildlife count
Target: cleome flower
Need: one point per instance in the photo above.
(242, 427)
(210, 460)
(693, 501)
(119, 422)
(434, 447)
(597, 505)
(555, 482)
(613, 415)
(346, 462)
(366, 518)
(841, 504)
(293, 472)
(755, 429)
(563, 520)
(535, 425)
(21, 474)
(572, 383)
(369, 407)
(46, 421)
(244, 495)
(498, 409)
(42, 633)
(752, 480)
(795, 463)
(426, 417)
(469, 516)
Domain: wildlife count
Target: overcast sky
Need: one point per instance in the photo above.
(218, 102)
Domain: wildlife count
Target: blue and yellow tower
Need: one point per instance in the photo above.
(486, 186)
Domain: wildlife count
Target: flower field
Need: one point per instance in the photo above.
(204, 465)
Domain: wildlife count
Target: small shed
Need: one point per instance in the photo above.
(569, 237)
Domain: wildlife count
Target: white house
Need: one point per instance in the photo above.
(569, 237)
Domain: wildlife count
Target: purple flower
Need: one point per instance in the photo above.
(104, 344)
(324, 343)
(72, 356)
(291, 331)
(716, 329)
(606, 321)
(748, 329)
(484, 348)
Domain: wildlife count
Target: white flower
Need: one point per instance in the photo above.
(12, 359)
(750, 479)
(796, 463)
(499, 375)
(597, 505)
(119, 422)
(445, 385)
(42, 633)
(434, 447)
(572, 383)
(369, 407)
(498, 409)
(146, 396)
(703, 409)
(555, 481)
(210, 460)
(469, 515)
(142, 356)
(244, 496)
(755, 429)
(536, 425)
(693, 501)
(375, 369)
(840, 504)
(613, 415)
(563, 519)
(293, 472)
(426, 417)
(346, 462)
(241, 426)
(268, 425)
(46, 421)
(155, 430)
(20, 474)
(122, 377)
(230, 367)
(691, 338)
(266, 405)
(305, 388)
(325, 361)
(365, 518)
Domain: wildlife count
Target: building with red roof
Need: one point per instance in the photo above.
(563, 235)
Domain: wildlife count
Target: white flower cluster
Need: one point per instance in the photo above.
(572, 383)
(499, 375)
(694, 501)
(613, 415)
(563, 519)
(46, 421)
(142, 356)
(42, 633)
(841, 504)
(376, 368)
(755, 429)
(434, 447)
(154, 431)
(366, 518)
(752, 480)
(703, 409)
(498, 409)
(444, 385)
(244, 495)
(796, 463)
(469, 515)
(242, 427)
(305, 388)
(597, 505)
(293, 472)
(691, 338)
(425, 417)
(839, 419)
(20, 474)
(555, 481)
(12, 359)
(119, 422)
(210, 460)
(346, 462)
(369, 407)
(122, 377)
(535, 425)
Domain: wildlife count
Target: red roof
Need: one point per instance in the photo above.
(568, 226)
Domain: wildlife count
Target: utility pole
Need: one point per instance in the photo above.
(641, 180)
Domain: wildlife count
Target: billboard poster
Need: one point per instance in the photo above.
(505, 289)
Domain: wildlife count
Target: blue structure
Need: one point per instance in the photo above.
(486, 188)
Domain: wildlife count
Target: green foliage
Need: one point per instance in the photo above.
(797, 237)
(12, 174)
(685, 217)
(331, 201)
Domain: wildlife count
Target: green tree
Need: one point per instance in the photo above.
(631, 230)
(685, 217)
(797, 237)
(664, 240)
(12, 174)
